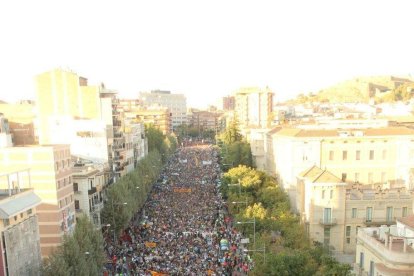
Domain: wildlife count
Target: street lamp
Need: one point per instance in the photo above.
(259, 250)
(254, 229)
(238, 184)
(113, 215)
(240, 202)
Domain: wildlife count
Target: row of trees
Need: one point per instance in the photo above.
(234, 149)
(82, 253)
(288, 249)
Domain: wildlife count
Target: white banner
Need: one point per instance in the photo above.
(244, 241)
(207, 162)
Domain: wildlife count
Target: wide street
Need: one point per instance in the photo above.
(183, 228)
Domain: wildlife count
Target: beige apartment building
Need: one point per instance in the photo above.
(333, 210)
(253, 107)
(88, 185)
(158, 116)
(375, 156)
(50, 175)
(19, 227)
(386, 250)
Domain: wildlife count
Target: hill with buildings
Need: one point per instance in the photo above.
(363, 89)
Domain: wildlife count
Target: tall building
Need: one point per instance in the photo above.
(204, 120)
(386, 250)
(374, 156)
(62, 94)
(253, 107)
(19, 227)
(228, 103)
(176, 104)
(49, 172)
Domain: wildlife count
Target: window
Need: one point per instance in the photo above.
(343, 177)
(354, 212)
(323, 194)
(75, 187)
(6, 222)
(356, 177)
(371, 155)
(57, 165)
(369, 214)
(389, 214)
(404, 211)
(77, 204)
(371, 268)
(348, 234)
(58, 184)
(358, 155)
(15, 218)
(384, 154)
(63, 164)
(370, 178)
(21, 215)
(29, 212)
(361, 260)
(327, 215)
(331, 155)
(383, 177)
(326, 236)
(344, 155)
(331, 194)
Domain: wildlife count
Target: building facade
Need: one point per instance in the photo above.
(176, 104)
(386, 250)
(253, 107)
(333, 210)
(50, 175)
(19, 230)
(374, 156)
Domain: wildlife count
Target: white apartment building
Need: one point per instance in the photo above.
(386, 250)
(176, 103)
(253, 107)
(374, 156)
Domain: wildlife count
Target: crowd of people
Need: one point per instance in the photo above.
(179, 229)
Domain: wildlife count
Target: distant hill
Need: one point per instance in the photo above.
(362, 89)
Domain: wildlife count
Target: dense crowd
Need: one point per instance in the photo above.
(179, 229)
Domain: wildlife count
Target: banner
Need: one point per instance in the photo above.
(182, 190)
(207, 162)
(244, 241)
(150, 244)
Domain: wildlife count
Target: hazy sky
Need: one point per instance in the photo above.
(204, 49)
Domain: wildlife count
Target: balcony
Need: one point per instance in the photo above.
(328, 222)
(378, 221)
(92, 191)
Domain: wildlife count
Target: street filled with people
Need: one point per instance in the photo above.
(183, 228)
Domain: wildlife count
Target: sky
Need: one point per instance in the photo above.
(204, 49)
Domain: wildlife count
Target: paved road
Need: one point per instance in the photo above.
(179, 230)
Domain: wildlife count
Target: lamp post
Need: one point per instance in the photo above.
(238, 184)
(254, 229)
(113, 214)
(240, 202)
(259, 250)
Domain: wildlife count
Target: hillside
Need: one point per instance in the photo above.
(362, 89)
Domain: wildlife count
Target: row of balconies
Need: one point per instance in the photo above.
(367, 222)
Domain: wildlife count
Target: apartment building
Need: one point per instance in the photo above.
(374, 156)
(176, 104)
(253, 107)
(22, 122)
(157, 116)
(19, 228)
(50, 175)
(228, 103)
(204, 120)
(88, 185)
(333, 210)
(63, 94)
(386, 250)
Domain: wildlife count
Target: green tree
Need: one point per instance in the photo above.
(80, 254)
(232, 133)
